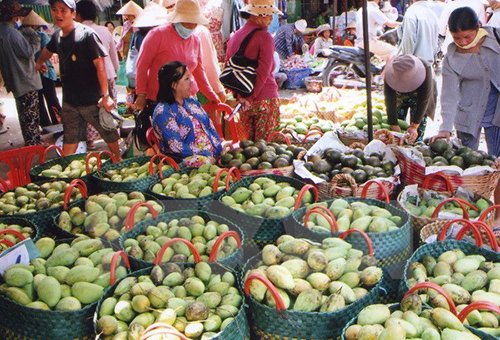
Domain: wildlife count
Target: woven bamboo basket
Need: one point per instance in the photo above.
(305, 142)
(345, 185)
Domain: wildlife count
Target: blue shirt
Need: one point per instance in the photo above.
(491, 107)
(174, 126)
(286, 40)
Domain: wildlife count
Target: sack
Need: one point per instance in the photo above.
(142, 124)
(108, 120)
(240, 72)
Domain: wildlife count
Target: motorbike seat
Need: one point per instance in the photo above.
(355, 51)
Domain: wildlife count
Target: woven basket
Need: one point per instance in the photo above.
(234, 261)
(270, 323)
(344, 185)
(23, 223)
(313, 84)
(238, 329)
(305, 143)
(414, 173)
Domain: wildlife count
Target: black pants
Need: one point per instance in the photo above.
(29, 117)
(48, 114)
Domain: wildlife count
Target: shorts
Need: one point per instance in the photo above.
(75, 119)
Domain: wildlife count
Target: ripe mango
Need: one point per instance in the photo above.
(49, 291)
(86, 292)
(17, 277)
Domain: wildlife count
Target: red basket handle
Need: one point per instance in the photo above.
(303, 191)
(129, 219)
(170, 161)
(469, 224)
(160, 328)
(278, 300)
(369, 243)
(218, 175)
(326, 213)
(76, 183)
(480, 225)
(98, 156)
(161, 252)
(218, 243)
(277, 133)
(4, 186)
(460, 202)
(7, 242)
(151, 162)
(438, 289)
(315, 128)
(16, 233)
(483, 305)
(486, 211)
(437, 176)
(114, 263)
(47, 149)
(381, 192)
(312, 133)
(233, 172)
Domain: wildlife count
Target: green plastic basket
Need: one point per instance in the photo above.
(23, 223)
(238, 329)
(268, 323)
(234, 261)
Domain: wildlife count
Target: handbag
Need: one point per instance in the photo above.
(240, 73)
(109, 121)
(142, 124)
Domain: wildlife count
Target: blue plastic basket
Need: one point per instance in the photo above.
(296, 77)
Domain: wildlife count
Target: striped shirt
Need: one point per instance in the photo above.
(286, 40)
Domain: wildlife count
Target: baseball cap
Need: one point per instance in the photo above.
(71, 4)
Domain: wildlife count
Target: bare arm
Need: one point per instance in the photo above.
(44, 56)
(105, 101)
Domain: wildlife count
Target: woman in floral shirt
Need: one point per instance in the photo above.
(184, 129)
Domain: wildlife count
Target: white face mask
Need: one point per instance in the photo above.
(183, 32)
(18, 23)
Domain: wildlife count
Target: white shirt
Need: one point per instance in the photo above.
(321, 44)
(436, 6)
(111, 60)
(420, 32)
(495, 19)
(376, 19)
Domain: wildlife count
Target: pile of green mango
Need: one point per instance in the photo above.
(65, 277)
(25, 231)
(132, 172)
(202, 233)
(354, 215)
(196, 301)
(359, 122)
(265, 197)
(103, 214)
(377, 322)
(324, 277)
(301, 125)
(196, 183)
(466, 279)
(426, 207)
(33, 197)
(75, 169)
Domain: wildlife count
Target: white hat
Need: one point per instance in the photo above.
(322, 28)
(152, 15)
(130, 8)
(261, 8)
(301, 25)
(405, 73)
(33, 19)
(168, 4)
(188, 11)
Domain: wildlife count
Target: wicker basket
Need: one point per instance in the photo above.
(414, 173)
(345, 185)
(314, 84)
(305, 142)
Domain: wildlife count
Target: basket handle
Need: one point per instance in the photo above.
(98, 156)
(483, 305)
(460, 202)
(160, 328)
(489, 233)
(357, 145)
(170, 161)
(384, 135)
(13, 232)
(438, 289)
(4, 187)
(348, 178)
(231, 173)
(161, 252)
(151, 162)
(382, 191)
(76, 183)
(486, 211)
(114, 263)
(302, 192)
(312, 133)
(280, 305)
(469, 224)
(437, 176)
(326, 213)
(218, 243)
(47, 149)
(277, 133)
(7, 243)
(369, 243)
(129, 219)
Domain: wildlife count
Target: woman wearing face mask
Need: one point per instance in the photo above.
(167, 43)
(182, 126)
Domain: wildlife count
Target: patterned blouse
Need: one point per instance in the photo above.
(186, 131)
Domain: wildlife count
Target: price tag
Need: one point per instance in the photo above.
(23, 252)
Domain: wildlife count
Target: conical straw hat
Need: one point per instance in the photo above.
(152, 15)
(130, 8)
(33, 19)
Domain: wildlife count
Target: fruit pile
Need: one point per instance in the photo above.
(132, 172)
(267, 198)
(360, 166)
(198, 302)
(355, 215)
(65, 278)
(202, 233)
(196, 183)
(75, 169)
(103, 215)
(260, 155)
(442, 153)
(301, 124)
(426, 205)
(33, 197)
(314, 278)
(11, 234)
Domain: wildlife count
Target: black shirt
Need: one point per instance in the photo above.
(77, 52)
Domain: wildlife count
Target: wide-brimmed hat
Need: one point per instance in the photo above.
(188, 11)
(168, 4)
(33, 19)
(301, 25)
(322, 28)
(130, 8)
(352, 24)
(152, 15)
(405, 73)
(261, 8)
(11, 8)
